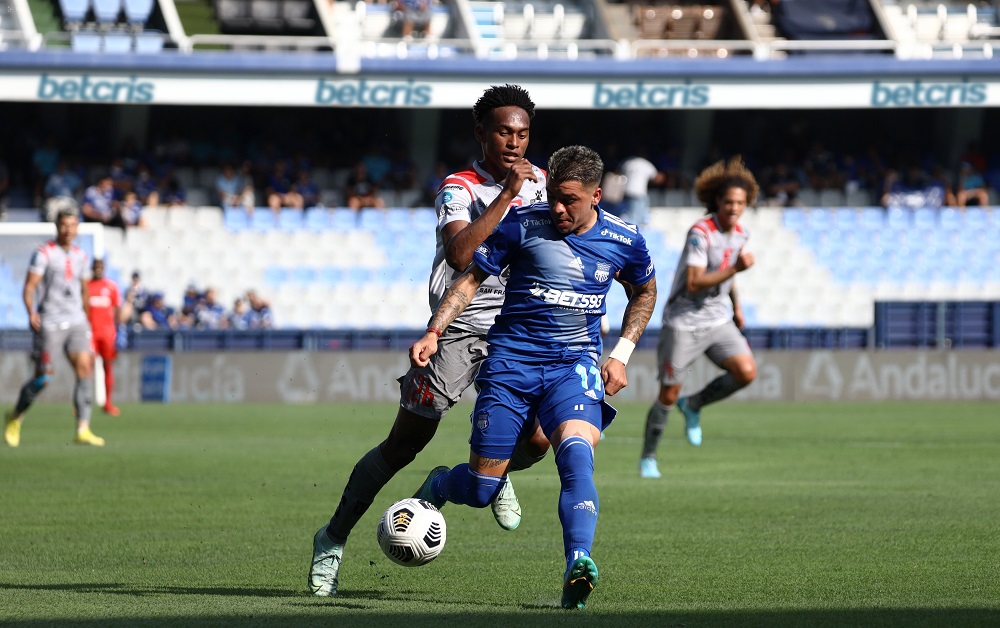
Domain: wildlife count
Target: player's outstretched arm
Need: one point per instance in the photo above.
(639, 310)
(454, 302)
(463, 243)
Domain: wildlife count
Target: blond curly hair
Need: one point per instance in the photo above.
(714, 180)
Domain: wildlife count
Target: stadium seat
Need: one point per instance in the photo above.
(117, 42)
(317, 219)
(845, 218)
(925, 218)
(793, 218)
(297, 15)
(74, 12)
(150, 43)
(976, 218)
(897, 218)
(106, 11)
(266, 16)
(275, 275)
(198, 197)
(872, 218)
(235, 219)
(374, 219)
(820, 218)
(290, 219)
(949, 218)
(344, 219)
(137, 12)
(262, 219)
(85, 41)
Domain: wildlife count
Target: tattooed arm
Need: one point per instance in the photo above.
(454, 302)
(642, 300)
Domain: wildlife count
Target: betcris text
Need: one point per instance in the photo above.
(88, 89)
(642, 96)
(921, 94)
(362, 93)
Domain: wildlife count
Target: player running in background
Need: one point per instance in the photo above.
(545, 347)
(469, 206)
(57, 277)
(106, 311)
(696, 317)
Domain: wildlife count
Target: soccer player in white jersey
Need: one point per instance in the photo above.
(697, 318)
(469, 204)
(57, 277)
(562, 258)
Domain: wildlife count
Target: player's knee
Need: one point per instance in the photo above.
(481, 489)
(574, 455)
(668, 395)
(745, 372)
(537, 444)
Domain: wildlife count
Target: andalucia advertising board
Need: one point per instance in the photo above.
(150, 87)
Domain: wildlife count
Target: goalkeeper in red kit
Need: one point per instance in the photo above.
(106, 311)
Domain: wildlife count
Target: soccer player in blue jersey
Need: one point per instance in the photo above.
(544, 348)
(469, 204)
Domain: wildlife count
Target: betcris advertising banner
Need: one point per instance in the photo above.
(444, 93)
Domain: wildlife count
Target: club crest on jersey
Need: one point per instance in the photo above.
(603, 272)
(482, 421)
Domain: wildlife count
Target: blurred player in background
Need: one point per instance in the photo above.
(57, 276)
(469, 206)
(106, 312)
(544, 349)
(696, 317)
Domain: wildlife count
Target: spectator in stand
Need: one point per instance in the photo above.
(171, 192)
(402, 174)
(62, 189)
(100, 205)
(145, 186)
(639, 173)
(412, 15)
(190, 303)
(782, 186)
(821, 168)
(131, 211)
(136, 297)
(971, 187)
(234, 190)
(105, 312)
(4, 186)
(239, 318)
(157, 315)
(307, 189)
(280, 190)
(377, 164)
(210, 314)
(44, 160)
(362, 191)
(260, 311)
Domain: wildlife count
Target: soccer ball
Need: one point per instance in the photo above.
(411, 532)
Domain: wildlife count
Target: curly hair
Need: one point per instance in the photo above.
(713, 182)
(502, 96)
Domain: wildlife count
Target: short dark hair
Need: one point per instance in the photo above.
(502, 96)
(67, 212)
(576, 163)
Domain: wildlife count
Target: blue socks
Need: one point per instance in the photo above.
(578, 503)
(462, 485)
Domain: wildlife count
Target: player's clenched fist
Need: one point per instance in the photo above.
(520, 172)
(423, 349)
(744, 261)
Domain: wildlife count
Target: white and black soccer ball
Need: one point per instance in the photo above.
(411, 532)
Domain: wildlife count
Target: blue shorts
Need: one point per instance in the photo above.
(513, 393)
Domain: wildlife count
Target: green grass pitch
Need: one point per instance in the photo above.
(788, 515)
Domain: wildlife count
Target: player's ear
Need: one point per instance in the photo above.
(598, 192)
(480, 133)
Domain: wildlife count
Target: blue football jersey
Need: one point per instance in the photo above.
(557, 284)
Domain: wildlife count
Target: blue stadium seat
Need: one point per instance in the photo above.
(149, 42)
(423, 220)
(897, 218)
(872, 218)
(85, 41)
(290, 219)
(106, 11)
(820, 218)
(976, 218)
(793, 218)
(263, 219)
(344, 219)
(332, 275)
(235, 219)
(317, 219)
(137, 12)
(845, 218)
(74, 11)
(117, 42)
(949, 218)
(303, 275)
(275, 275)
(925, 218)
(373, 219)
